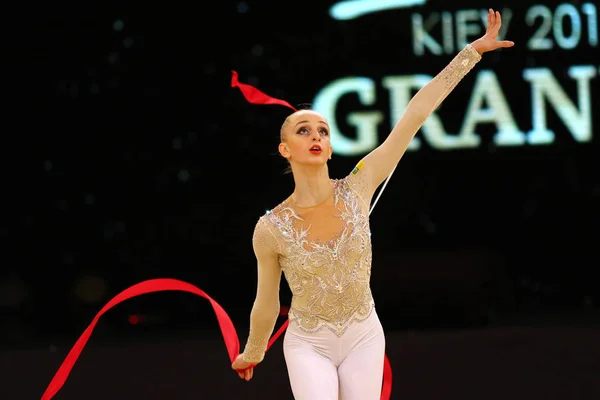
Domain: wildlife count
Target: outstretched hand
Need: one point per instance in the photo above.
(489, 42)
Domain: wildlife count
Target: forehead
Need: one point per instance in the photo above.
(307, 115)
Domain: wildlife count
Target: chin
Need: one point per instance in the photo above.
(313, 163)
(320, 163)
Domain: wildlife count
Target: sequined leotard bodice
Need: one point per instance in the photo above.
(325, 255)
(324, 251)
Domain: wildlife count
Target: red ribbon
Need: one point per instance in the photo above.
(255, 96)
(232, 342)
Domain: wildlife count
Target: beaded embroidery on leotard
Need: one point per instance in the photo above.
(329, 279)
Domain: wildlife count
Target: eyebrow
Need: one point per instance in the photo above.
(303, 122)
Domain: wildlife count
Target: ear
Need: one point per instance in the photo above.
(284, 151)
(330, 152)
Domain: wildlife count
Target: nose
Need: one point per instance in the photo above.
(316, 136)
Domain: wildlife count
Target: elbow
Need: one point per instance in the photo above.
(417, 114)
(276, 310)
(267, 308)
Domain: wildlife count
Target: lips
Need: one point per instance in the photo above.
(316, 149)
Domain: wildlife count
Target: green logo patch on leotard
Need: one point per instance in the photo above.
(358, 167)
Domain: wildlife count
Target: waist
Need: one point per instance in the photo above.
(336, 317)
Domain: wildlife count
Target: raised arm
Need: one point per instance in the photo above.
(378, 164)
(266, 304)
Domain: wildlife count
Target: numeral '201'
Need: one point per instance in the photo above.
(555, 23)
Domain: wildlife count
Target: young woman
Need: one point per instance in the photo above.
(320, 238)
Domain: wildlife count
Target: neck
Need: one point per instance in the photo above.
(312, 185)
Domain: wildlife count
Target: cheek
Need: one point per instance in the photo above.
(295, 145)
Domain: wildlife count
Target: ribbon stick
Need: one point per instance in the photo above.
(382, 189)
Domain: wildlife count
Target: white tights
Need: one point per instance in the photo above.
(323, 366)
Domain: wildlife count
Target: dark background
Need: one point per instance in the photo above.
(129, 157)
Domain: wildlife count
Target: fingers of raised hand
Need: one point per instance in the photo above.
(494, 22)
(498, 20)
(505, 43)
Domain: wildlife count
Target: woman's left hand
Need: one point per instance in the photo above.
(489, 42)
(244, 369)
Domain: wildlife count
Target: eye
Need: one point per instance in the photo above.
(324, 132)
(303, 131)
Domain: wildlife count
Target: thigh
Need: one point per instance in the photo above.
(361, 372)
(313, 376)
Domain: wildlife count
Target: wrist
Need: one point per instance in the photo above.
(478, 47)
(254, 352)
(252, 359)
